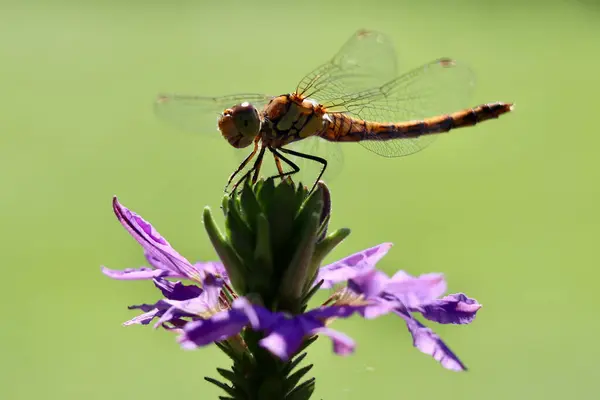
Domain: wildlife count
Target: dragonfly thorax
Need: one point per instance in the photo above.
(290, 117)
(240, 124)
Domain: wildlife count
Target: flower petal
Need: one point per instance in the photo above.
(336, 311)
(134, 273)
(286, 333)
(429, 343)
(156, 248)
(143, 319)
(343, 345)
(372, 286)
(452, 309)
(177, 290)
(214, 268)
(253, 313)
(216, 328)
(205, 303)
(351, 266)
(369, 284)
(377, 308)
(416, 291)
(151, 311)
(200, 302)
(283, 343)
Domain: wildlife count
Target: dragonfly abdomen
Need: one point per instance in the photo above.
(349, 129)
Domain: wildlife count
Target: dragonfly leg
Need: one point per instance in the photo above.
(320, 160)
(282, 174)
(242, 165)
(278, 158)
(255, 168)
(278, 164)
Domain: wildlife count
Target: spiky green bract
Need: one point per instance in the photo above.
(274, 241)
(230, 258)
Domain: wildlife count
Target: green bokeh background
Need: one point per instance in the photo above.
(508, 210)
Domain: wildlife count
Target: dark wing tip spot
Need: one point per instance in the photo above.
(447, 62)
(363, 33)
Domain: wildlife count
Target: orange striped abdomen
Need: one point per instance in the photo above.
(349, 129)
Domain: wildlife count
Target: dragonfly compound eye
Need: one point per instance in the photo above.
(240, 124)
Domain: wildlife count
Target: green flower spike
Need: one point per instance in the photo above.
(274, 241)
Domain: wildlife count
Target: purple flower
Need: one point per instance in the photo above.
(209, 311)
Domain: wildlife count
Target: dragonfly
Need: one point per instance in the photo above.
(356, 96)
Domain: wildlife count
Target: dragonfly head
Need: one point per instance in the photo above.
(240, 124)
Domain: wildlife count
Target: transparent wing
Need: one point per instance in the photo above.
(437, 88)
(366, 60)
(198, 114)
(362, 80)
